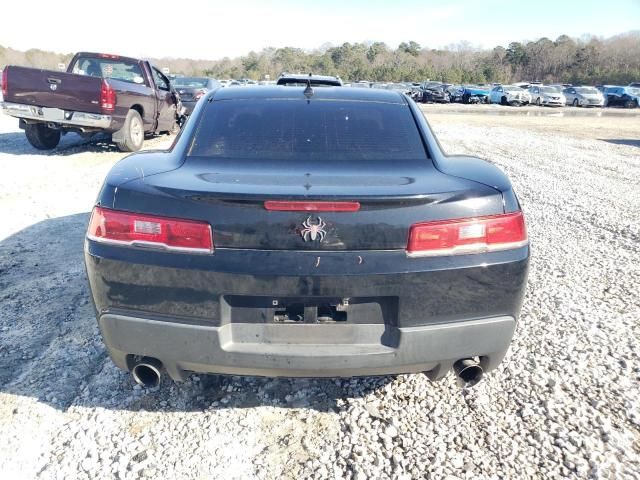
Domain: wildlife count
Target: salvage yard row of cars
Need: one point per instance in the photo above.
(525, 94)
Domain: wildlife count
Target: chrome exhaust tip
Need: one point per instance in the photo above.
(468, 371)
(147, 372)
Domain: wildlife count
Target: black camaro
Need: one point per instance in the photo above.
(294, 231)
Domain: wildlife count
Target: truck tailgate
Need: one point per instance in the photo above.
(50, 88)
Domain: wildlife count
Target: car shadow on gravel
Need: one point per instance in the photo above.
(51, 349)
(622, 141)
(16, 143)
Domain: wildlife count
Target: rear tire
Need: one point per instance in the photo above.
(132, 133)
(42, 137)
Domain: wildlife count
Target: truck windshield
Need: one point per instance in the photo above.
(106, 67)
(297, 130)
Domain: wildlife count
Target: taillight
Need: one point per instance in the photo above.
(133, 229)
(5, 83)
(107, 98)
(302, 206)
(467, 235)
(198, 94)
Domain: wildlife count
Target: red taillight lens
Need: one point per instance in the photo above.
(133, 229)
(5, 83)
(107, 98)
(296, 206)
(467, 235)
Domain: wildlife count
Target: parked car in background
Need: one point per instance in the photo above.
(404, 88)
(433, 92)
(509, 95)
(455, 93)
(191, 89)
(634, 84)
(628, 97)
(303, 233)
(475, 94)
(121, 96)
(300, 80)
(584, 97)
(547, 96)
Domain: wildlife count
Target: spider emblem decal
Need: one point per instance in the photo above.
(313, 231)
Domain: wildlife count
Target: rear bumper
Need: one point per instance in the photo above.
(306, 350)
(58, 116)
(214, 313)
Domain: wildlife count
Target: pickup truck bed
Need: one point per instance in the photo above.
(116, 95)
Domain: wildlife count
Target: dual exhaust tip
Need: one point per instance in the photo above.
(148, 372)
(468, 371)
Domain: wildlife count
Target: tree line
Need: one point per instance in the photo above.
(586, 60)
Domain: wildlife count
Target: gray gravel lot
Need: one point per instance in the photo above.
(563, 404)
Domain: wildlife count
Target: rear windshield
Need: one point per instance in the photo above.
(298, 130)
(190, 82)
(115, 68)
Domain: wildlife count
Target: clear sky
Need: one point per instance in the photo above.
(215, 29)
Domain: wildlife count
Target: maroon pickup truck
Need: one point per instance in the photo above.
(121, 96)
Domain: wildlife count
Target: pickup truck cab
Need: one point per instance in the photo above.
(124, 97)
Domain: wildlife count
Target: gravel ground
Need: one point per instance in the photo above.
(563, 404)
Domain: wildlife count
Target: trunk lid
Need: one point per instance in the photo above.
(232, 199)
(53, 89)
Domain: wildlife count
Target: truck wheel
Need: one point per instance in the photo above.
(42, 137)
(131, 135)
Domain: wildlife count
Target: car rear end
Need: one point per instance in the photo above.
(191, 89)
(289, 235)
